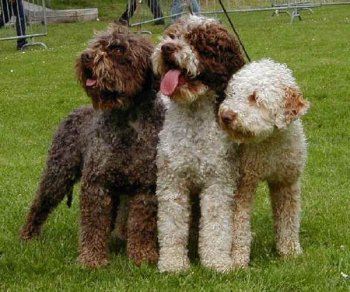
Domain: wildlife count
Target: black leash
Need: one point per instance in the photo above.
(189, 6)
(234, 30)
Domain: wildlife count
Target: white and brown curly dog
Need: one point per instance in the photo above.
(195, 59)
(261, 113)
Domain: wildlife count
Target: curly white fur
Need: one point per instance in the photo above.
(261, 112)
(194, 154)
(194, 157)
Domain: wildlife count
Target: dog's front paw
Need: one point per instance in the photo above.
(138, 257)
(240, 259)
(174, 264)
(289, 249)
(92, 261)
(222, 264)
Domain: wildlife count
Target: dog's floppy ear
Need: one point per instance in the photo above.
(295, 104)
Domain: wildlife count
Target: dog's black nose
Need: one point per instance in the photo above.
(168, 48)
(86, 56)
(228, 116)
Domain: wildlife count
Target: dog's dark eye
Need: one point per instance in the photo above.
(252, 98)
(172, 36)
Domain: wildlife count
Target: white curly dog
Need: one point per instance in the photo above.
(195, 59)
(261, 113)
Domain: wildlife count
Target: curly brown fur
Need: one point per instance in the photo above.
(142, 219)
(206, 54)
(218, 53)
(112, 149)
(115, 68)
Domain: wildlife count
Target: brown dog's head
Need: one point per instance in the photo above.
(196, 54)
(115, 67)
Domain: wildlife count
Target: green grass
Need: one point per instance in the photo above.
(38, 89)
(106, 8)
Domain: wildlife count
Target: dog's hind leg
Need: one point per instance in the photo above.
(53, 187)
(62, 171)
(142, 229)
(285, 199)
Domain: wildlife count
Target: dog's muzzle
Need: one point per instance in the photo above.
(168, 48)
(228, 118)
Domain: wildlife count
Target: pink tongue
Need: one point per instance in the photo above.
(169, 82)
(90, 82)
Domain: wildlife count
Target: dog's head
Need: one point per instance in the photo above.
(115, 67)
(195, 55)
(261, 97)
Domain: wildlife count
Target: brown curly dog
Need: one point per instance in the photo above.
(111, 148)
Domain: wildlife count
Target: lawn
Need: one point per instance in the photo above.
(38, 89)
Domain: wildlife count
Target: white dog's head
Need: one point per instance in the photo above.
(261, 97)
(195, 55)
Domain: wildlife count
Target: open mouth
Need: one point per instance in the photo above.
(90, 82)
(98, 93)
(90, 79)
(172, 79)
